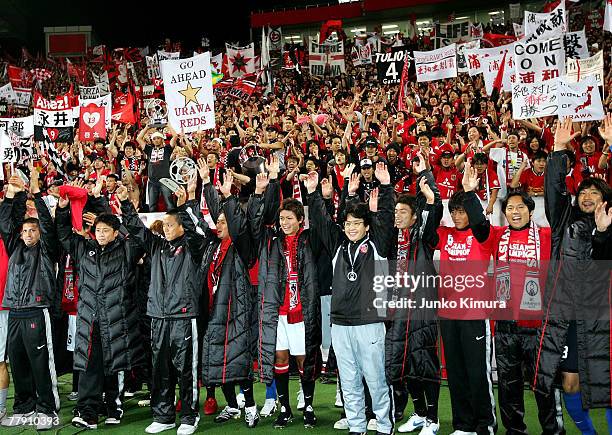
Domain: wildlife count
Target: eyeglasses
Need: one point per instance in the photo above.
(353, 224)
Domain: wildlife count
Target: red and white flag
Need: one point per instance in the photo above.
(92, 123)
(240, 60)
(608, 16)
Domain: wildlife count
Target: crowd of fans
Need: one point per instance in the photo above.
(377, 182)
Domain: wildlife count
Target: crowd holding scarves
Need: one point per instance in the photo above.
(474, 155)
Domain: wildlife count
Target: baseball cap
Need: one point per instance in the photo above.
(446, 150)
(371, 141)
(365, 163)
(157, 134)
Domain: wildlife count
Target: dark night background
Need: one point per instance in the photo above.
(132, 23)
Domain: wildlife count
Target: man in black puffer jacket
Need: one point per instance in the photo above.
(173, 305)
(30, 294)
(289, 301)
(228, 253)
(575, 335)
(107, 338)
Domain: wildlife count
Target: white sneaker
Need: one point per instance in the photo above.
(18, 419)
(462, 432)
(341, 424)
(156, 427)
(301, 404)
(112, 421)
(338, 403)
(430, 428)
(372, 424)
(241, 401)
(144, 403)
(251, 417)
(188, 429)
(414, 422)
(269, 408)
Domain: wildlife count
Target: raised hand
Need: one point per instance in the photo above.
(226, 187)
(181, 196)
(353, 184)
(15, 184)
(34, 186)
(348, 170)
(421, 166)
(563, 134)
(311, 181)
(327, 188)
(373, 201)
(122, 193)
(273, 167)
(470, 178)
(426, 190)
(261, 182)
(203, 170)
(382, 173)
(605, 131)
(192, 184)
(89, 218)
(97, 190)
(63, 202)
(603, 219)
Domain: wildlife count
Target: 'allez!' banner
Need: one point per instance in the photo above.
(189, 93)
(436, 64)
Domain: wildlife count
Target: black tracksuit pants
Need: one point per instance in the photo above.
(516, 348)
(174, 345)
(468, 352)
(30, 351)
(93, 382)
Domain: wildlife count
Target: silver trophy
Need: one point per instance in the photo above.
(157, 111)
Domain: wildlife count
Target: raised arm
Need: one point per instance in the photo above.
(383, 219)
(481, 228)
(72, 243)
(321, 223)
(12, 212)
(195, 237)
(138, 231)
(557, 200)
(237, 224)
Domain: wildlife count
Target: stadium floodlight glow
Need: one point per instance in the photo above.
(461, 18)
(390, 26)
(420, 23)
(391, 32)
(496, 12)
(363, 29)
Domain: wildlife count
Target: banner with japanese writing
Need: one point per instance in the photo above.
(474, 57)
(546, 24)
(534, 100)
(580, 101)
(53, 117)
(453, 32)
(436, 64)
(491, 66)
(362, 54)
(189, 93)
(576, 45)
(540, 60)
(16, 139)
(578, 69)
(92, 123)
(105, 102)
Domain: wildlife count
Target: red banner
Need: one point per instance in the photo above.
(91, 123)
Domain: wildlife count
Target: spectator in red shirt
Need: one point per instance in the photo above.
(445, 173)
(488, 186)
(531, 180)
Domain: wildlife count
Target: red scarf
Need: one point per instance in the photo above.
(403, 250)
(214, 271)
(70, 292)
(292, 289)
(297, 191)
